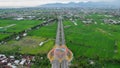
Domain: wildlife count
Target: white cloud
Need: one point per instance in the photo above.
(23, 3)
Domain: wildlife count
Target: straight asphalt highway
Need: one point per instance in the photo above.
(59, 54)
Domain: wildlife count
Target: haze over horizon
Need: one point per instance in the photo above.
(33, 3)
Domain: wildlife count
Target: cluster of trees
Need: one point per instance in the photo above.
(41, 61)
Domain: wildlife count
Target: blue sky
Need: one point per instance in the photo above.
(30, 3)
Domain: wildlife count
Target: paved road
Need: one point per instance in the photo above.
(60, 55)
(58, 34)
(60, 40)
(64, 64)
(55, 64)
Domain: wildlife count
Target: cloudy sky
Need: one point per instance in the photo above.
(30, 3)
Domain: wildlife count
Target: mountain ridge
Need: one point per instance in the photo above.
(81, 4)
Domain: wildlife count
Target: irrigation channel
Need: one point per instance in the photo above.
(60, 56)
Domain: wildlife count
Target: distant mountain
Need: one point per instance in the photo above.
(82, 4)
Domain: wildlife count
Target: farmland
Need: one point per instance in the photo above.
(9, 27)
(25, 24)
(97, 42)
(94, 45)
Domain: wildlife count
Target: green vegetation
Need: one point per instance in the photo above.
(48, 31)
(94, 41)
(19, 25)
(15, 26)
(3, 36)
(27, 45)
(99, 43)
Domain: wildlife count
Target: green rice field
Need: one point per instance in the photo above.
(99, 42)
